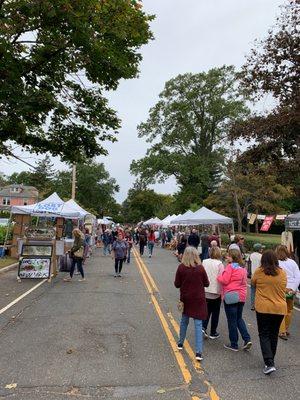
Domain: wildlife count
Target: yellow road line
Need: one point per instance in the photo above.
(179, 358)
(197, 366)
(21, 297)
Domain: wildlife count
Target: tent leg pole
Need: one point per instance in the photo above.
(7, 231)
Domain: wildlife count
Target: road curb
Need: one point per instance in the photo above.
(9, 267)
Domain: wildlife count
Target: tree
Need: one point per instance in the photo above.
(186, 128)
(57, 57)
(3, 180)
(272, 68)
(94, 187)
(40, 177)
(248, 188)
(141, 205)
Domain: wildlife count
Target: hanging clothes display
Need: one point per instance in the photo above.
(287, 240)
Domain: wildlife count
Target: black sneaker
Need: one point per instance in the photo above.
(247, 345)
(205, 333)
(268, 370)
(199, 357)
(229, 347)
(214, 335)
(179, 346)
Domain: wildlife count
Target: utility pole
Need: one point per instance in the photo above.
(73, 181)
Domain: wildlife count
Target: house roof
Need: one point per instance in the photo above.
(26, 191)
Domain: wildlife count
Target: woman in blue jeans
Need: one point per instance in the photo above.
(191, 279)
(234, 292)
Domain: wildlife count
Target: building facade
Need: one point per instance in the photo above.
(17, 195)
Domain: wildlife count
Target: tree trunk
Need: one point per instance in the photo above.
(238, 212)
(256, 222)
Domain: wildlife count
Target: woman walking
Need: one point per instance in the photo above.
(191, 279)
(269, 281)
(213, 267)
(77, 254)
(293, 280)
(142, 240)
(119, 253)
(151, 242)
(234, 292)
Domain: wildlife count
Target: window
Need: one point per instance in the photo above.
(25, 202)
(6, 201)
(15, 190)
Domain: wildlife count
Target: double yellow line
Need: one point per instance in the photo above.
(153, 290)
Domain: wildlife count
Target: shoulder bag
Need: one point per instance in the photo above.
(79, 253)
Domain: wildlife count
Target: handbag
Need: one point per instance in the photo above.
(180, 306)
(79, 253)
(231, 297)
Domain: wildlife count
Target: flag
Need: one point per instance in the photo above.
(252, 219)
(267, 223)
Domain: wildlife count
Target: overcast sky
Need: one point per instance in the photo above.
(190, 36)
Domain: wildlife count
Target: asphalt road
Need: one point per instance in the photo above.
(112, 338)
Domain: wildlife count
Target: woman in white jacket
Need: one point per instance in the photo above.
(293, 280)
(213, 267)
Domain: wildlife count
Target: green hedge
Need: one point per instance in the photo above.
(3, 234)
(269, 241)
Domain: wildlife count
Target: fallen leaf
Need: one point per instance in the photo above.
(11, 386)
(161, 391)
(70, 351)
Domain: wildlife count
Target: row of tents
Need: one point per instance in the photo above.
(203, 216)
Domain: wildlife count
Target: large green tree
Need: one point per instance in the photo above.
(142, 204)
(94, 187)
(186, 129)
(248, 188)
(273, 69)
(40, 177)
(57, 57)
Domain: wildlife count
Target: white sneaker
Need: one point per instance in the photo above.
(268, 370)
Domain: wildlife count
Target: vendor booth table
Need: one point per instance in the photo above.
(39, 247)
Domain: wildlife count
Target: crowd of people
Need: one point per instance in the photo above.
(207, 276)
(204, 285)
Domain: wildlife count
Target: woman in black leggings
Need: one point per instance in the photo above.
(119, 253)
(77, 253)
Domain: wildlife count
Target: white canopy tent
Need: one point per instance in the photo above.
(52, 206)
(104, 221)
(178, 220)
(71, 205)
(166, 221)
(204, 216)
(153, 221)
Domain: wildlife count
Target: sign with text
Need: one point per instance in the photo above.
(34, 267)
(267, 223)
(292, 224)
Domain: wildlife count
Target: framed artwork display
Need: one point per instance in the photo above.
(42, 250)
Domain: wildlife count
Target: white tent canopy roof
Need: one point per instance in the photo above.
(183, 217)
(52, 206)
(153, 221)
(71, 205)
(204, 216)
(105, 221)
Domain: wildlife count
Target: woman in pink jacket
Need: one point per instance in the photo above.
(234, 291)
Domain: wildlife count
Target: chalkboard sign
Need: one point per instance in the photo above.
(34, 267)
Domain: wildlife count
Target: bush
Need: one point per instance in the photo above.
(3, 230)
